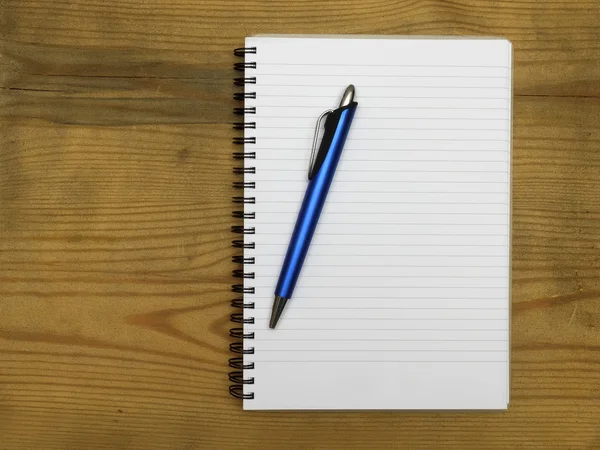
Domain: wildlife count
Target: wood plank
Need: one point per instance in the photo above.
(556, 44)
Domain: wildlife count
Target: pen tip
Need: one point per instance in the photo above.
(278, 305)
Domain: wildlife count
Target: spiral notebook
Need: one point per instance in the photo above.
(404, 298)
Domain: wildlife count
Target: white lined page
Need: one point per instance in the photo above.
(403, 301)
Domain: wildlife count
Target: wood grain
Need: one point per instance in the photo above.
(115, 210)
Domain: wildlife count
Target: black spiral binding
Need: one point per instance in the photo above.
(237, 347)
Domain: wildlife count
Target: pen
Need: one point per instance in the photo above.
(320, 175)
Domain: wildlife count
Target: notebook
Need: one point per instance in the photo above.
(403, 301)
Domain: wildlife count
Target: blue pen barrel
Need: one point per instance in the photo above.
(312, 205)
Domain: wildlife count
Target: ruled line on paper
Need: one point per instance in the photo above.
(405, 245)
(288, 328)
(409, 203)
(386, 351)
(399, 128)
(462, 108)
(299, 308)
(282, 180)
(401, 86)
(341, 169)
(444, 77)
(371, 361)
(461, 255)
(374, 97)
(414, 319)
(423, 266)
(255, 191)
(398, 297)
(397, 234)
(395, 276)
(270, 338)
(286, 138)
(256, 148)
(277, 63)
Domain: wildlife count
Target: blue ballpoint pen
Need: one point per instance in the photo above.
(320, 175)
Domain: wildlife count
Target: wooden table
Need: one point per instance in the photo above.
(115, 215)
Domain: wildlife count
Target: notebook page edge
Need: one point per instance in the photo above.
(374, 36)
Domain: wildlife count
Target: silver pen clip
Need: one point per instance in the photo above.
(313, 153)
(347, 98)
